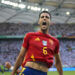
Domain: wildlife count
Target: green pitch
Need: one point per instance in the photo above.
(65, 73)
(49, 73)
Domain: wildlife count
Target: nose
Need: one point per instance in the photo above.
(44, 18)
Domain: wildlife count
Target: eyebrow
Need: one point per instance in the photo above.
(45, 16)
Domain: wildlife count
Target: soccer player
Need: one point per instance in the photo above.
(38, 50)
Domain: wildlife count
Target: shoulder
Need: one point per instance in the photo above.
(29, 34)
(55, 39)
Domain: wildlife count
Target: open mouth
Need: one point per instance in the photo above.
(44, 23)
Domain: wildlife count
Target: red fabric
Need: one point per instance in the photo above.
(41, 47)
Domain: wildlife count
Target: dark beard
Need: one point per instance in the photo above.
(44, 31)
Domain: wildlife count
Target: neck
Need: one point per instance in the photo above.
(44, 31)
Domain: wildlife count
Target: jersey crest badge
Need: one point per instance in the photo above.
(44, 43)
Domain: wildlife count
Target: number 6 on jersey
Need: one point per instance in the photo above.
(44, 50)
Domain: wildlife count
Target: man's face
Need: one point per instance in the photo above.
(44, 21)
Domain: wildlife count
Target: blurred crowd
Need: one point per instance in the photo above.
(67, 52)
(62, 29)
(22, 28)
(9, 50)
(15, 29)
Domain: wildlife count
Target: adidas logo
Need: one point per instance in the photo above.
(37, 39)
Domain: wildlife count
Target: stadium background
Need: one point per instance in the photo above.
(20, 16)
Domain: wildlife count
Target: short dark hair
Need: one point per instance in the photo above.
(45, 12)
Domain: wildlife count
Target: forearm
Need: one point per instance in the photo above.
(59, 68)
(58, 64)
(18, 63)
(19, 60)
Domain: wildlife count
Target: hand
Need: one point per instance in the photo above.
(12, 73)
(18, 71)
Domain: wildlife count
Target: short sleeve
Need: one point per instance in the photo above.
(26, 41)
(57, 47)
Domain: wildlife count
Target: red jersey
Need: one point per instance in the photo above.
(40, 47)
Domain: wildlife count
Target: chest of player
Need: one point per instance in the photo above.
(42, 42)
